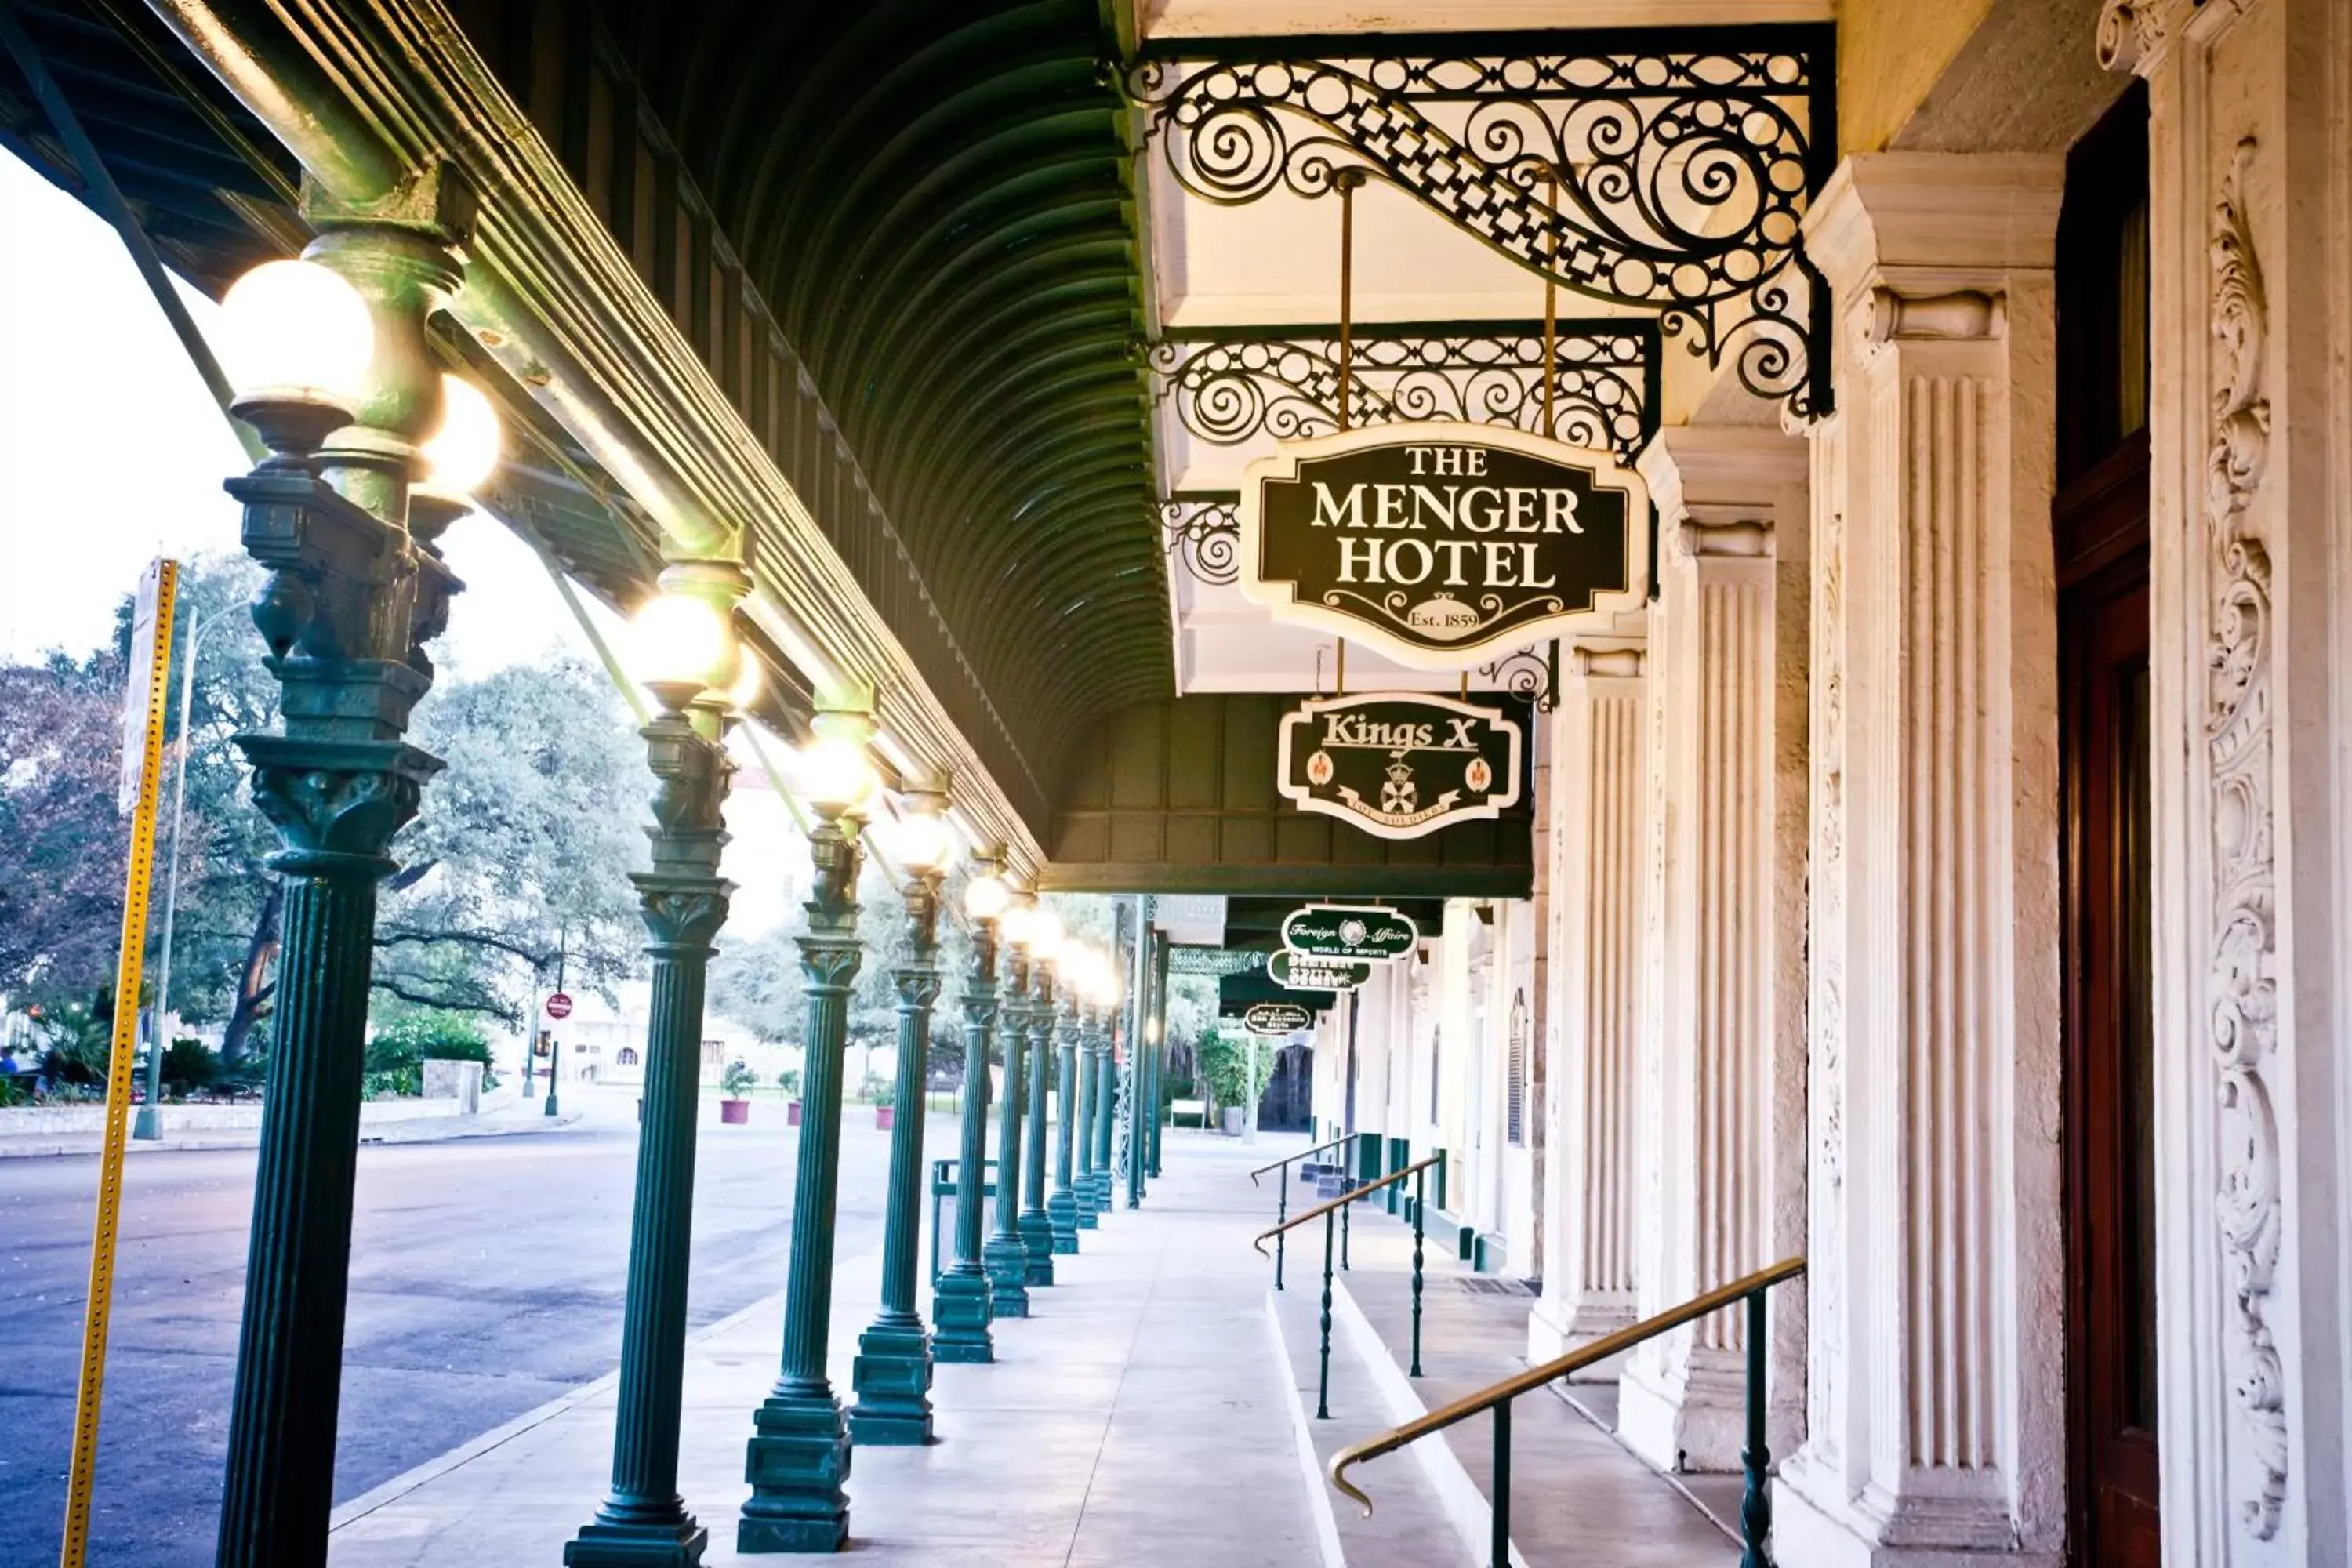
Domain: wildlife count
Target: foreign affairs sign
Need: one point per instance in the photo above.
(1299, 972)
(1348, 932)
(1436, 543)
(1399, 764)
(1276, 1018)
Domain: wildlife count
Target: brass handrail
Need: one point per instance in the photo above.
(1559, 1366)
(1334, 1143)
(1351, 1196)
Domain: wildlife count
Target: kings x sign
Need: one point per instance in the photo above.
(1434, 542)
(1399, 764)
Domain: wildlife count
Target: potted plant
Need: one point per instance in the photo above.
(885, 1096)
(735, 1094)
(789, 1080)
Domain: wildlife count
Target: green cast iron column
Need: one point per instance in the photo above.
(1157, 1108)
(1082, 1184)
(1106, 1107)
(892, 1376)
(354, 591)
(960, 1298)
(1062, 1208)
(799, 1452)
(1007, 1254)
(1036, 1223)
(642, 1519)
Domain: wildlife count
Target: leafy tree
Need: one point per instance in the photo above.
(62, 843)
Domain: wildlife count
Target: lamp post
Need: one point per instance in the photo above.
(1082, 1184)
(798, 1451)
(892, 1378)
(1105, 1087)
(1006, 1256)
(1062, 1208)
(1036, 1221)
(333, 371)
(686, 648)
(961, 1299)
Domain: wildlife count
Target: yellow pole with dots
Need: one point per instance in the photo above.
(143, 735)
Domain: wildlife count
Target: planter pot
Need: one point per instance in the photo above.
(882, 1119)
(735, 1112)
(793, 1114)
(1232, 1118)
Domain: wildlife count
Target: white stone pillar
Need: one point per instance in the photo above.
(1936, 1407)
(2249, 464)
(1723, 1180)
(1595, 805)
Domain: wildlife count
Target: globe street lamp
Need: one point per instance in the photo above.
(798, 1451)
(683, 650)
(1082, 1183)
(892, 1376)
(960, 1298)
(1070, 960)
(1006, 1255)
(1036, 1220)
(332, 367)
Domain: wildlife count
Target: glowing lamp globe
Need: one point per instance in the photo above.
(460, 454)
(679, 640)
(923, 842)
(746, 689)
(1071, 956)
(1016, 924)
(986, 898)
(295, 331)
(1044, 936)
(836, 774)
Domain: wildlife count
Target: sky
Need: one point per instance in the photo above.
(111, 452)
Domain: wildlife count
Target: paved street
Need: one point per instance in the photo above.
(487, 1277)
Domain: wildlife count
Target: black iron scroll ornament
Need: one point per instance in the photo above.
(1684, 159)
(1205, 527)
(1228, 386)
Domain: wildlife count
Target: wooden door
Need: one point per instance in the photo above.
(2100, 532)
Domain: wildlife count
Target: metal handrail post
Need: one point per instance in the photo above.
(1281, 1213)
(1756, 1506)
(1419, 1208)
(1498, 1546)
(1323, 1376)
(1345, 1211)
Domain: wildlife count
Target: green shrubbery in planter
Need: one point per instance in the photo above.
(738, 1081)
(398, 1051)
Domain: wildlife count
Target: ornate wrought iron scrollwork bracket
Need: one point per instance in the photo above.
(1214, 960)
(1230, 384)
(1531, 672)
(1206, 527)
(1683, 160)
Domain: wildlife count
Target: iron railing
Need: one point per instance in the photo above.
(1341, 1206)
(1755, 1505)
(1282, 1192)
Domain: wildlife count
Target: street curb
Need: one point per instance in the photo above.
(473, 1448)
(31, 1149)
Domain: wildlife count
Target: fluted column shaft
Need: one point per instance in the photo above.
(1036, 1221)
(1062, 1208)
(798, 1455)
(1105, 1108)
(1007, 1252)
(1082, 1183)
(962, 1300)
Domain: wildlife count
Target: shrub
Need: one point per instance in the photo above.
(426, 1035)
(882, 1091)
(737, 1081)
(189, 1066)
(789, 1080)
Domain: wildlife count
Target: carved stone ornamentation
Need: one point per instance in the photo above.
(2130, 31)
(2242, 1002)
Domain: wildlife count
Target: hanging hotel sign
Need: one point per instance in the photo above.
(1434, 542)
(1399, 764)
(1346, 932)
(1300, 973)
(1276, 1018)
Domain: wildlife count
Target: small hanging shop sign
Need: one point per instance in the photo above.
(1399, 764)
(1346, 932)
(1276, 1018)
(1300, 973)
(1434, 543)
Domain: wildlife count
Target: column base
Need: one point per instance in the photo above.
(1693, 1417)
(1089, 1206)
(892, 1376)
(1037, 1236)
(1007, 1261)
(675, 1544)
(1061, 1213)
(962, 1308)
(1814, 1523)
(1555, 1327)
(797, 1459)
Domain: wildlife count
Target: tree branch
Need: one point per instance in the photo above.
(392, 938)
(446, 1003)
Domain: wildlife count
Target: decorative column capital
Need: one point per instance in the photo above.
(1592, 663)
(683, 899)
(1931, 225)
(2137, 36)
(336, 804)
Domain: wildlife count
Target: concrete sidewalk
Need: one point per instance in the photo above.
(1140, 1418)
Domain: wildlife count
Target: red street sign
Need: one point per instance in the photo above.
(558, 1006)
